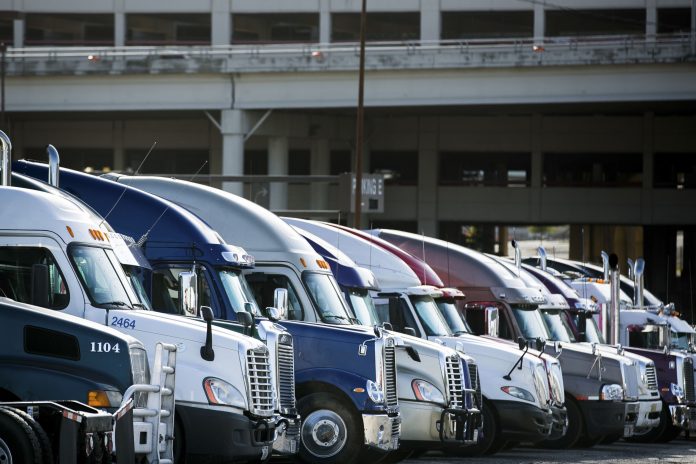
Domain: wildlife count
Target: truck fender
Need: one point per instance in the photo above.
(336, 381)
(578, 386)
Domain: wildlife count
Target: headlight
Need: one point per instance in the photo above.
(141, 373)
(541, 385)
(375, 392)
(520, 393)
(676, 390)
(612, 392)
(220, 392)
(426, 391)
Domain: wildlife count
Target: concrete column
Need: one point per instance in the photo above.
(320, 164)
(650, 19)
(536, 175)
(278, 165)
(119, 29)
(18, 33)
(430, 20)
(234, 124)
(539, 23)
(693, 26)
(428, 154)
(324, 21)
(215, 153)
(119, 163)
(221, 23)
(648, 149)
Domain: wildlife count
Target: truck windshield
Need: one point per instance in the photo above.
(454, 320)
(530, 322)
(558, 327)
(327, 298)
(238, 291)
(680, 340)
(363, 307)
(135, 277)
(592, 332)
(102, 276)
(430, 316)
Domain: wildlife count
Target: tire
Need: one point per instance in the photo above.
(654, 433)
(17, 439)
(510, 445)
(179, 442)
(670, 433)
(44, 441)
(99, 454)
(609, 439)
(331, 432)
(576, 428)
(491, 442)
(587, 442)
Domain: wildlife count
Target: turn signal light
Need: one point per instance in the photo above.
(98, 399)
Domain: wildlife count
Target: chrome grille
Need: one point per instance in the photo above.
(651, 376)
(260, 383)
(286, 376)
(455, 384)
(396, 430)
(689, 392)
(475, 384)
(631, 374)
(390, 376)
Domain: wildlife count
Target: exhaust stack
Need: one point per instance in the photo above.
(638, 270)
(53, 165)
(5, 160)
(518, 258)
(542, 258)
(631, 265)
(605, 265)
(614, 311)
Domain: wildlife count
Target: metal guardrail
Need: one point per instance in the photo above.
(338, 56)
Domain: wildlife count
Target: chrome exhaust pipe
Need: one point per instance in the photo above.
(630, 264)
(5, 160)
(53, 165)
(615, 308)
(605, 265)
(542, 258)
(638, 282)
(518, 258)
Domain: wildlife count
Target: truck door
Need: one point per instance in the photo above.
(264, 284)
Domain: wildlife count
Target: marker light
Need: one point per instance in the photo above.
(70, 231)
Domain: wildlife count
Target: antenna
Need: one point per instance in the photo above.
(152, 147)
(449, 279)
(143, 238)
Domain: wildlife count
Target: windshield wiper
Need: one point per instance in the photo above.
(115, 303)
(335, 316)
(140, 305)
(460, 332)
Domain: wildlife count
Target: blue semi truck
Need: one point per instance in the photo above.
(347, 387)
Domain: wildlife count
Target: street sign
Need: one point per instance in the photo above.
(372, 193)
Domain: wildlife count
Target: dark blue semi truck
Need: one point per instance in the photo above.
(343, 375)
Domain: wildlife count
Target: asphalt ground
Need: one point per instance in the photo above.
(677, 451)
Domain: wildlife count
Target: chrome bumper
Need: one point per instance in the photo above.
(680, 415)
(631, 409)
(423, 421)
(382, 431)
(648, 414)
(287, 438)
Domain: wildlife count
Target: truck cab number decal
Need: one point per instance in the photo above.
(123, 322)
(105, 347)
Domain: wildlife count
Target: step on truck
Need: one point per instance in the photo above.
(407, 306)
(46, 356)
(435, 381)
(346, 389)
(170, 244)
(594, 382)
(219, 412)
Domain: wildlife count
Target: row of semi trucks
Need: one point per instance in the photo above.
(157, 320)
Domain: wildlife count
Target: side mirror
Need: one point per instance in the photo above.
(492, 321)
(522, 343)
(39, 285)
(410, 331)
(539, 344)
(273, 313)
(387, 326)
(247, 320)
(280, 301)
(207, 351)
(582, 325)
(188, 293)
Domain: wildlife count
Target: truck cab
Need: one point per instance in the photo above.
(87, 280)
(434, 383)
(409, 308)
(347, 390)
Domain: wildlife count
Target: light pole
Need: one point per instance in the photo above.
(359, 125)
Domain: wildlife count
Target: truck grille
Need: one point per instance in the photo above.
(286, 377)
(631, 374)
(455, 384)
(260, 383)
(390, 376)
(475, 384)
(689, 392)
(651, 376)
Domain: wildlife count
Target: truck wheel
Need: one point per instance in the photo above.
(44, 441)
(18, 443)
(576, 429)
(490, 442)
(331, 432)
(609, 439)
(669, 434)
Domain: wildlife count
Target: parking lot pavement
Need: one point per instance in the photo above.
(677, 451)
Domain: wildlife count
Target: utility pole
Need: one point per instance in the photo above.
(359, 125)
(3, 51)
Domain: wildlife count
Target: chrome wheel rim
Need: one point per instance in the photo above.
(5, 454)
(324, 433)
